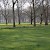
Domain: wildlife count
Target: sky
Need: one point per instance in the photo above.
(24, 6)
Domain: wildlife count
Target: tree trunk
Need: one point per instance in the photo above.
(19, 19)
(18, 16)
(31, 16)
(18, 12)
(5, 16)
(46, 22)
(41, 19)
(46, 19)
(13, 16)
(6, 21)
(34, 13)
(45, 13)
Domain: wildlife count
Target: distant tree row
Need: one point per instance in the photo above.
(36, 8)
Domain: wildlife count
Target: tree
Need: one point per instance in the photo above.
(31, 13)
(34, 12)
(5, 14)
(45, 11)
(41, 10)
(46, 19)
(13, 2)
(18, 11)
(41, 19)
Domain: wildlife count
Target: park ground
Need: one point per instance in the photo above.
(24, 37)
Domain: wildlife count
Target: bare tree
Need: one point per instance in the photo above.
(34, 12)
(31, 13)
(41, 10)
(13, 2)
(45, 11)
(5, 14)
(46, 18)
(18, 11)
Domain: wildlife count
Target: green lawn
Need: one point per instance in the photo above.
(25, 38)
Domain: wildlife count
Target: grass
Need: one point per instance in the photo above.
(25, 38)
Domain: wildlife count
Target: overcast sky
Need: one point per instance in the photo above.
(23, 1)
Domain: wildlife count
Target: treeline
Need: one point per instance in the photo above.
(37, 11)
